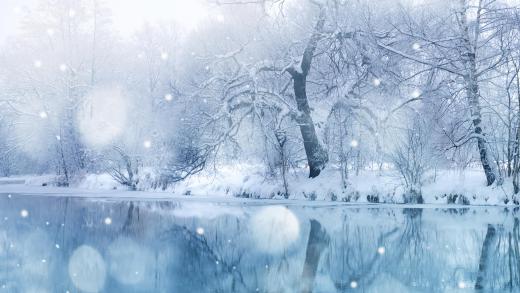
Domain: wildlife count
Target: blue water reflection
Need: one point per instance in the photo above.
(63, 244)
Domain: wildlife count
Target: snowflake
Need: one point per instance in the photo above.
(50, 32)
(416, 46)
(381, 250)
(164, 56)
(416, 93)
(37, 63)
(353, 284)
(63, 67)
(168, 97)
(147, 144)
(108, 221)
(200, 231)
(43, 114)
(24, 213)
(376, 81)
(354, 143)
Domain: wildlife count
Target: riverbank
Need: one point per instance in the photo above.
(441, 187)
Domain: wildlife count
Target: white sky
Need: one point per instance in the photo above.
(9, 16)
(128, 15)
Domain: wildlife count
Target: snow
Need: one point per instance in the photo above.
(249, 181)
(175, 83)
(24, 213)
(99, 181)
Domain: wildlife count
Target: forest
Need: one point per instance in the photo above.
(304, 98)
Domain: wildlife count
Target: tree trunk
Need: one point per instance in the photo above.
(473, 94)
(318, 239)
(516, 149)
(516, 162)
(317, 156)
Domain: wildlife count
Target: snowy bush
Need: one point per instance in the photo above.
(412, 159)
(124, 168)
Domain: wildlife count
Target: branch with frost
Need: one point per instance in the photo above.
(417, 59)
(241, 92)
(230, 54)
(457, 143)
(303, 67)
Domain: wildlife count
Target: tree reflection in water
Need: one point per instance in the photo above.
(176, 246)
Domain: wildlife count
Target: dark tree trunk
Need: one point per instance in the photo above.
(317, 157)
(485, 257)
(318, 239)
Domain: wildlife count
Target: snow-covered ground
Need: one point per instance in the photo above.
(461, 187)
